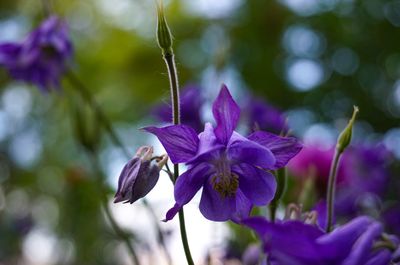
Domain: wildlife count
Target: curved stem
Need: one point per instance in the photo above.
(118, 231)
(281, 187)
(87, 96)
(173, 78)
(81, 88)
(330, 197)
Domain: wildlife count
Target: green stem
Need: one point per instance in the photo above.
(330, 197)
(173, 78)
(87, 96)
(173, 81)
(81, 88)
(281, 177)
(104, 201)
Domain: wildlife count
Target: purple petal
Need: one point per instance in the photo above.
(339, 242)
(172, 212)
(251, 153)
(383, 257)
(362, 248)
(284, 148)
(214, 207)
(180, 141)
(127, 179)
(243, 207)
(190, 182)
(257, 185)
(187, 186)
(207, 139)
(226, 113)
(146, 180)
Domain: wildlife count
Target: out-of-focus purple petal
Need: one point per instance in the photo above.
(339, 242)
(214, 207)
(252, 153)
(180, 141)
(362, 248)
(382, 257)
(191, 102)
(265, 117)
(284, 148)
(226, 113)
(257, 185)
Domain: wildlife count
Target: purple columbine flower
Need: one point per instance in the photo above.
(139, 176)
(41, 58)
(359, 242)
(191, 102)
(231, 169)
(265, 117)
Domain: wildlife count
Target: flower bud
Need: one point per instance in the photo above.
(345, 137)
(164, 36)
(139, 175)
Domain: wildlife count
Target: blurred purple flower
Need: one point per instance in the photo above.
(230, 168)
(362, 175)
(391, 218)
(191, 102)
(139, 176)
(41, 58)
(262, 116)
(297, 243)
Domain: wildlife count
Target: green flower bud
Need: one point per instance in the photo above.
(345, 137)
(164, 36)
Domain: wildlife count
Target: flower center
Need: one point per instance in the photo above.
(225, 185)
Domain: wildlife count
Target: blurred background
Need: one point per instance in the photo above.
(311, 59)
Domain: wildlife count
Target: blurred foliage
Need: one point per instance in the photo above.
(117, 58)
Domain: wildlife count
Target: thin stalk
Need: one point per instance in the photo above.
(81, 88)
(281, 177)
(47, 7)
(87, 96)
(330, 197)
(114, 225)
(173, 78)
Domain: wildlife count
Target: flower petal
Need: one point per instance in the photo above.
(257, 185)
(243, 207)
(127, 179)
(226, 113)
(338, 243)
(362, 248)
(284, 148)
(214, 207)
(190, 182)
(187, 186)
(180, 141)
(251, 153)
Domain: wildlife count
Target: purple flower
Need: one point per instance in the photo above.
(359, 242)
(262, 116)
(41, 58)
(191, 102)
(231, 169)
(139, 176)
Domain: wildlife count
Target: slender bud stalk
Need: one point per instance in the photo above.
(164, 40)
(342, 143)
(281, 177)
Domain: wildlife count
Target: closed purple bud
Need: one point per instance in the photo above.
(139, 175)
